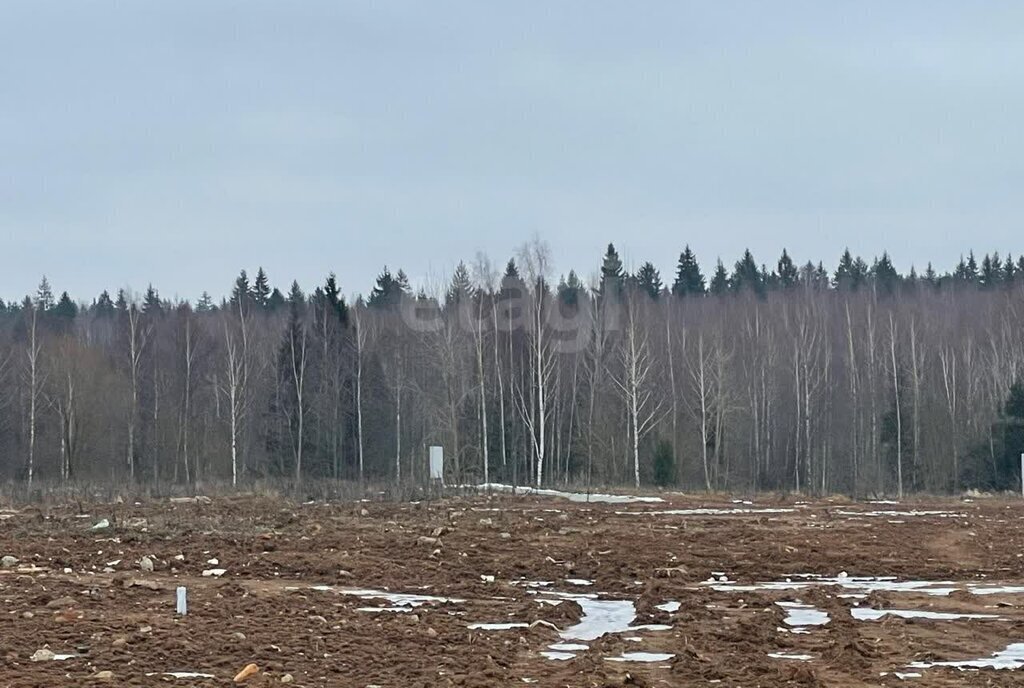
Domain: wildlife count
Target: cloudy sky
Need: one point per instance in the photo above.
(178, 142)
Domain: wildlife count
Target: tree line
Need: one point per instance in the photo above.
(859, 380)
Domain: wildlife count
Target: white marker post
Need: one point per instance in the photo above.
(182, 602)
(437, 464)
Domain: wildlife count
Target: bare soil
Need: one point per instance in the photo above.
(81, 592)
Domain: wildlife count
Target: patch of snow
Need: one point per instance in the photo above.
(571, 496)
(707, 512)
(794, 657)
(395, 599)
(641, 657)
(799, 615)
(868, 614)
(1010, 658)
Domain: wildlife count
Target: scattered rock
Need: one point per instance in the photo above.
(101, 525)
(431, 632)
(505, 536)
(214, 573)
(213, 562)
(364, 512)
(27, 615)
(424, 540)
(106, 675)
(245, 674)
(146, 565)
(238, 635)
(8, 562)
(61, 602)
(43, 655)
(287, 678)
(119, 643)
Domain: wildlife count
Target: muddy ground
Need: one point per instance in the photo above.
(285, 599)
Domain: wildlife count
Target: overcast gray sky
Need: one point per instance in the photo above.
(177, 142)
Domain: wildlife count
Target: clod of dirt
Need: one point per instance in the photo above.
(245, 674)
(61, 602)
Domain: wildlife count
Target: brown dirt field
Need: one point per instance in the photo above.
(81, 592)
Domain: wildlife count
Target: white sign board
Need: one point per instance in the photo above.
(437, 463)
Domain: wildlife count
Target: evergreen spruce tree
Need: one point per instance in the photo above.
(747, 276)
(689, 279)
(787, 273)
(276, 300)
(930, 278)
(720, 280)
(461, 287)
(664, 464)
(570, 290)
(1009, 270)
(241, 293)
(151, 305)
(332, 294)
(884, 275)
(104, 306)
(64, 312)
(612, 279)
(991, 273)
(205, 303)
(971, 272)
(389, 290)
(44, 295)
(648, 280)
(261, 289)
(844, 272)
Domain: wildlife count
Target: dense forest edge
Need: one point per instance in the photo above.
(859, 380)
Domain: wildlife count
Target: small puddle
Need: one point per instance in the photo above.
(799, 616)
(599, 618)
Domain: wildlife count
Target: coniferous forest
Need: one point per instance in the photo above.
(853, 378)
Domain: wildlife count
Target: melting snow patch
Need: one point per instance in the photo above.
(865, 585)
(670, 607)
(1010, 658)
(558, 656)
(868, 614)
(785, 655)
(184, 674)
(641, 657)
(571, 496)
(800, 615)
(706, 512)
(915, 512)
(396, 599)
